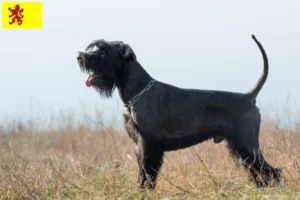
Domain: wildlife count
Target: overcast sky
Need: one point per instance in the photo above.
(203, 44)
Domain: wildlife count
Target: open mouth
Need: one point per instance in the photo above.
(90, 78)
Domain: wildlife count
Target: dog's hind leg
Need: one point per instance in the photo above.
(247, 148)
(238, 151)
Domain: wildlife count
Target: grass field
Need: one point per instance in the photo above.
(81, 163)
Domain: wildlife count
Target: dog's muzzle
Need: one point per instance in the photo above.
(81, 59)
(81, 62)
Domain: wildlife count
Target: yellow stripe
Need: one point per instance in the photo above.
(32, 15)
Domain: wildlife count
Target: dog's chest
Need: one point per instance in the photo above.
(133, 116)
(145, 120)
(139, 117)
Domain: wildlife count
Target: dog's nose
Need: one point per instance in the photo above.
(79, 56)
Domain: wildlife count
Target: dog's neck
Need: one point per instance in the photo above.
(136, 80)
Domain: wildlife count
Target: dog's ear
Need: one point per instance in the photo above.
(127, 53)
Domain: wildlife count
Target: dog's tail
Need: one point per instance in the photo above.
(254, 92)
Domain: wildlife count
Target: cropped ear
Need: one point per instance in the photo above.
(126, 52)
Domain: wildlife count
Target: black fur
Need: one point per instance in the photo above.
(167, 118)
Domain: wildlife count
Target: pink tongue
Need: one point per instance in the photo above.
(87, 83)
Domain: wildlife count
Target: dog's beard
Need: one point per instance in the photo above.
(82, 66)
(103, 84)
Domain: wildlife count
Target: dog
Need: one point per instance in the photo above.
(161, 117)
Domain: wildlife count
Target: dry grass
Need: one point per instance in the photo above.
(80, 163)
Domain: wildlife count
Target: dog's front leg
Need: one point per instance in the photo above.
(141, 174)
(150, 157)
(149, 154)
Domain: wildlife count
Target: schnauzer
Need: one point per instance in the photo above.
(162, 117)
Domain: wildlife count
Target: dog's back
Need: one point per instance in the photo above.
(184, 111)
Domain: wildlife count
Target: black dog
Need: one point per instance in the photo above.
(162, 117)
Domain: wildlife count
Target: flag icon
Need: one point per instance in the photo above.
(22, 15)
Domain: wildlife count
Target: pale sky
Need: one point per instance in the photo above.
(204, 44)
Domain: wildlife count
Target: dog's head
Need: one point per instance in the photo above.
(105, 62)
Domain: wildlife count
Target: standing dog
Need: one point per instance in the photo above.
(162, 117)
